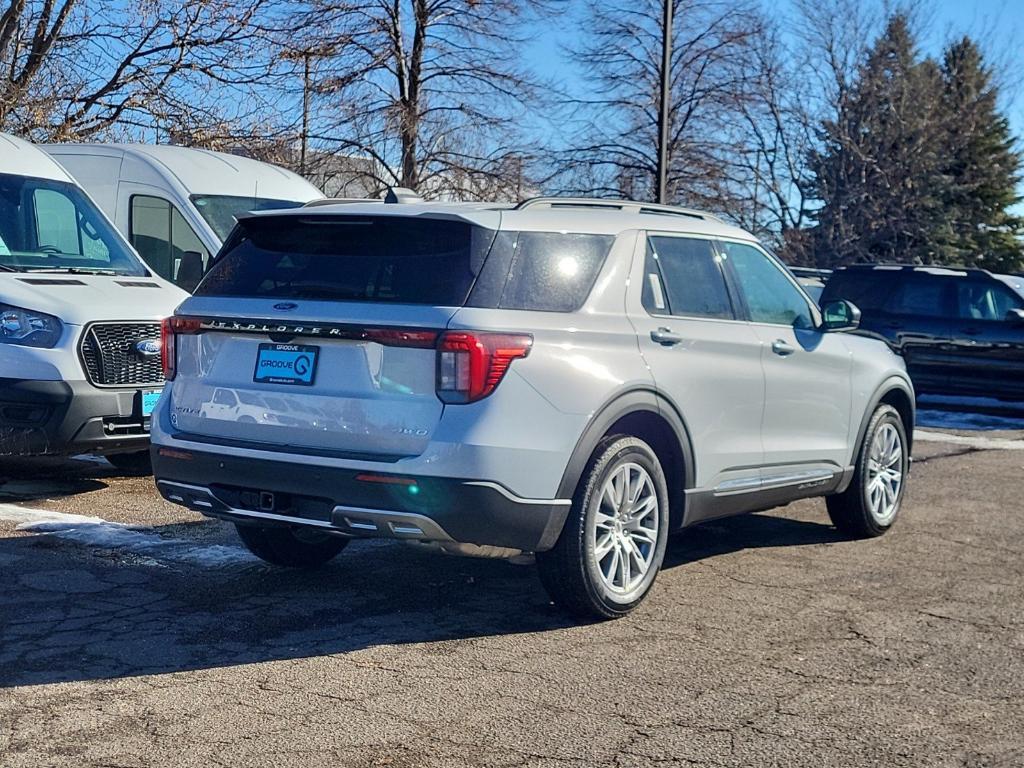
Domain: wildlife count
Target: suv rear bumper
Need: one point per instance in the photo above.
(357, 503)
(61, 417)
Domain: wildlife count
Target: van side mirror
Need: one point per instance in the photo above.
(840, 315)
(190, 270)
(1015, 316)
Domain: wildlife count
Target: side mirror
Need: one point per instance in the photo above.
(190, 270)
(1015, 316)
(840, 315)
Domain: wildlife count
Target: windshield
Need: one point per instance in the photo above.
(222, 211)
(52, 225)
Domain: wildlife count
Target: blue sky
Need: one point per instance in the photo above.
(996, 23)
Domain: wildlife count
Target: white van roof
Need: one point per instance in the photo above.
(201, 171)
(21, 158)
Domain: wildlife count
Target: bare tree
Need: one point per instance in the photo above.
(614, 152)
(430, 91)
(74, 69)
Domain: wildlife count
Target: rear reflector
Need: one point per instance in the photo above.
(386, 479)
(471, 364)
(398, 337)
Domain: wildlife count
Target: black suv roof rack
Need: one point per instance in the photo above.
(824, 274)
(627, 206)
(938, 269)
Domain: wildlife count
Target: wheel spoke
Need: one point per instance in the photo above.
(643, 535)
(604, 546)
(643, 509)
(627, 569)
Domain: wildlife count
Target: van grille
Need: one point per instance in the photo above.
(111, 358)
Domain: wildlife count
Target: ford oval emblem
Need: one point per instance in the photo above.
(285, 306)
(148, 347)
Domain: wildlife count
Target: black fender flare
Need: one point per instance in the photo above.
(891, 384)
(624, 404)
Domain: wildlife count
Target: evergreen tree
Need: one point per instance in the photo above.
(983, 167)
(879, 173)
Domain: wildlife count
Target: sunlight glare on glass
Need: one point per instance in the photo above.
(568, 266)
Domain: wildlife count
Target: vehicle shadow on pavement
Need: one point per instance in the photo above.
(720, 537)
(74, 612)
(45, 477)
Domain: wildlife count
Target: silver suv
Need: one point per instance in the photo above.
(571, 378)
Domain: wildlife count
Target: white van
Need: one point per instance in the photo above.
(176, 205)
(80, 314)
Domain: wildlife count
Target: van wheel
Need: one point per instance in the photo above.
(291, 547)
(871, 504)
(613, 542)
(135, 463)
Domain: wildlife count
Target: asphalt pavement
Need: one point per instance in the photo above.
(133, 633)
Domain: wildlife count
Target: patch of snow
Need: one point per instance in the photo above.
(975, 441)
(975, 413)
(960, 420)
(93, 458)
(134, 539)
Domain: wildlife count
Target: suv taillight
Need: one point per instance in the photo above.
(169, 330)
(471, 364)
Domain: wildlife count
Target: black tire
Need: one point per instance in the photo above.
(570, 571)
(291, 547)
(136, 463)
(851, 511)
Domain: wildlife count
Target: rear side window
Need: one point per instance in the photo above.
(683, 277)
(922, 295)
(553, 271)
(867, 290)
(348, 258)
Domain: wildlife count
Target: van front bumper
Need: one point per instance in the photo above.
(61, 417)
(355, 502)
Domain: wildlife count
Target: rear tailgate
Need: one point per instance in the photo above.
(320, 335)
(348, 396)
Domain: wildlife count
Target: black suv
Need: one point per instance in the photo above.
(961, 331)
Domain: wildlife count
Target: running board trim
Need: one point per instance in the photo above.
(752, 484)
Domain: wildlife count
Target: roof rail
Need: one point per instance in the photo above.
(933, 268)
(340, 201)
(628, 206)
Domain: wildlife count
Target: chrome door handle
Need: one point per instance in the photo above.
(665, 337)
(781, 348)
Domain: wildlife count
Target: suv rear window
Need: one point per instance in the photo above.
(351, 258)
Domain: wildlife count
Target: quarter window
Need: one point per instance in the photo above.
(683, 276)
(771, 296)
(552, 271)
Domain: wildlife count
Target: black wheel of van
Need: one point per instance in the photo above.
(135, 463)
(613, 543)
(870, 505)
(295, 547)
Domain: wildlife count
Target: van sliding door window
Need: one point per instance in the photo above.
(161, 235)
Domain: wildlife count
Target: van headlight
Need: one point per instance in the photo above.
(28, 328)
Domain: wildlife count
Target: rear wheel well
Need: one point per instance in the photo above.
(658, 433)
(901, 401)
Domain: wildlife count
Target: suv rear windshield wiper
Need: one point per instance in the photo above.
(8, 268)
(78, 271)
